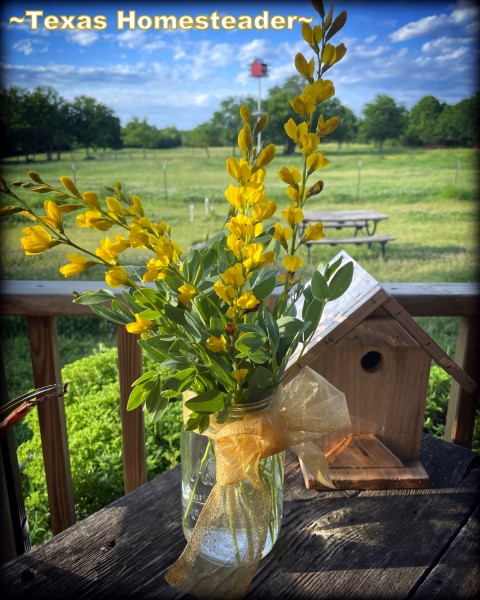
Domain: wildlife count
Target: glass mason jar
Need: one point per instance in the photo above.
(198, 479)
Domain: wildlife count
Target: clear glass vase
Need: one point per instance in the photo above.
(198, 479)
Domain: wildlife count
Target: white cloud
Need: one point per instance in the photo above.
(83, 38)
(425, 26)
(27, 46)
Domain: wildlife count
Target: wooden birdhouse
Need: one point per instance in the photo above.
(258, 68)
(371, 349)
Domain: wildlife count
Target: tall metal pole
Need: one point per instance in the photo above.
(259, 108)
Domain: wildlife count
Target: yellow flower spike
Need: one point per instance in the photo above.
(77, 265)
(54, 215)
(258, 176)
(313, 232)
(235, 196)
(239, 374)
(244, 228)
(91, 198)
(266, 155)
(36, 240)
(234, 276)
(293, 215)
(93, 219)
(108, 250)
(282, 234)
(225, 292)
(292, 263)
(308, 143)
(187, 292)
(215, 344)
(248, 300)
(116, 277)
(321, 90)
(121, 244)
(140, 325)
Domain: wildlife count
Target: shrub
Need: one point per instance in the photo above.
(95, 443)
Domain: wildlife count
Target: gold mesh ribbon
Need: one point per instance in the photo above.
(308, 407)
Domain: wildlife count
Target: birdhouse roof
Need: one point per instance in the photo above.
(364, 297)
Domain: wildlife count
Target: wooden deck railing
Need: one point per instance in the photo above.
(41, 302)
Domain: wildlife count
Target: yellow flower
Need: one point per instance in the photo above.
(136, 207)
(54, 215)
(266, 155)
(253, 255)
(187, 292)
(36, 240)
(244, 228)
(293, 215)
(317, 161)
(239, 374)
(247, 300)
(76, 265)
(236, 197)
(282, 234)
(108, 250)
(304, 105)
(290, 176)
(140, 325)
(157, 268)
(226, 292)
(138, 236)
(292, 263)
(215, 344)
(115, 207)
(116, 277)
(266, 259)
(321, 90)
(308, 143)
(94, 220)
(313, 232)
(234, 276)
(293, 194)
(91, 198)
(235, 245)
(263, 209)
(240, 171)
(326, 127)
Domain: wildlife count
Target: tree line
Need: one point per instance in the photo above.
(42, 121)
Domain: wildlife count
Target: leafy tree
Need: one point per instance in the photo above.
(139, 134)
(347, 129)
(169, 137)
(204, 135)
(227, 120)
(458, 124)
(383, 119)
(422, 122)
(16, 122)
(95, 125)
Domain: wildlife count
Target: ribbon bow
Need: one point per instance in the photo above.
(307, 408)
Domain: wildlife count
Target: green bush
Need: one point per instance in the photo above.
(95, 443)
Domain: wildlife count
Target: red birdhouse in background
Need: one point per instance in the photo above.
(258, 68)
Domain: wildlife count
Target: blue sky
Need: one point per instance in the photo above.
(405, 49)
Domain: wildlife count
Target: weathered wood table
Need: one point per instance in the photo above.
(371, 544)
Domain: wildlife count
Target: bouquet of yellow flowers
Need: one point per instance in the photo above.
(222, 316)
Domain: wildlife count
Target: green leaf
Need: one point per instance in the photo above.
(197, 422)
(145, 377)
(207, 402)
(262, 379)
(97, 297)
(319, 286)
(264, 288)
(137, 397)
(252, 328)
(156, 405)
(181, 380)
(272, 330)
(330, 269)
(175, 314)
(313, 314)
(110, 315)
(250, 342)
(157, 347)
(340, 281)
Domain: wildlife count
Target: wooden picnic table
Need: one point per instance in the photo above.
(366, 220)
(416, 543)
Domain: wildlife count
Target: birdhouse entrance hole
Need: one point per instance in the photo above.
(371, 361)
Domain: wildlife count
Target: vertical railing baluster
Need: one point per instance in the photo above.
(42, 333)
(133, 428)
(461, 405)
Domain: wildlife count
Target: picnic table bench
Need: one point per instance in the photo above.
(361, 220)
(401, 543)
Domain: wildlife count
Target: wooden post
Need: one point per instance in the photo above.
(133, 430)
(461, 405)
(42, 333)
